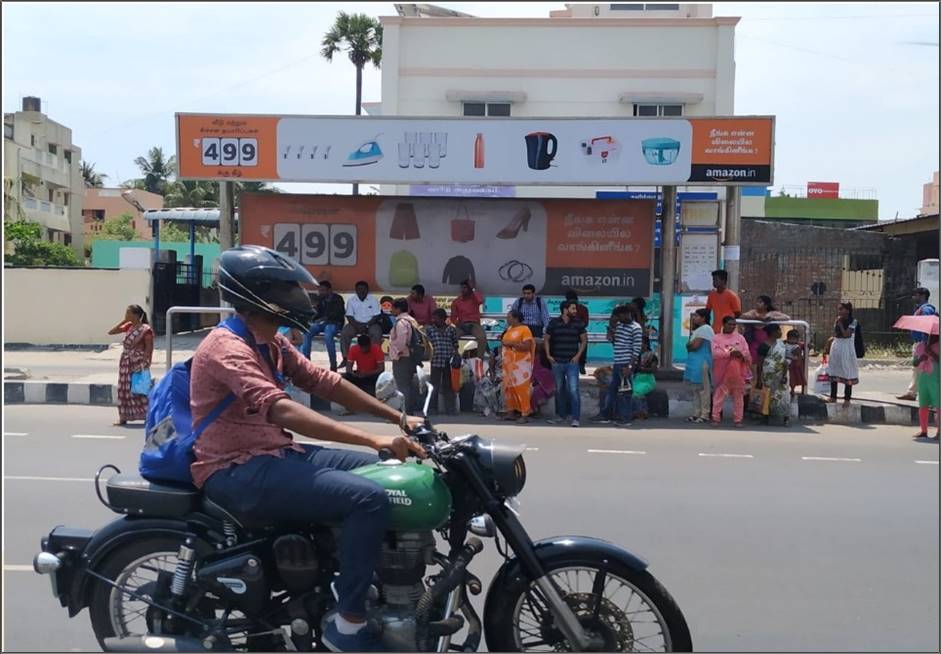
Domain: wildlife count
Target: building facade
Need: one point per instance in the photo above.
(103, 204)
(608, 60)
(929, 202)
(42, 174)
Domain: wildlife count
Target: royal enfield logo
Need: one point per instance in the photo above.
(398, 497)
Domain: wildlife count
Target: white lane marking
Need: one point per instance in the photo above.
(727, 456)
(15, 433)
(930, 463)
(18, 568)
(100, 436)
(615, 452)
(14, 478)
(830, 458)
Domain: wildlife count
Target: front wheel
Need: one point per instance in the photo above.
(622, 610)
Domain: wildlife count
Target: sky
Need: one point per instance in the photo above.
(854, 86)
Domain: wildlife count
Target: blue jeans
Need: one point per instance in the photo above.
(567, 400)
(329, 331)
(619, 404)
(314, 486)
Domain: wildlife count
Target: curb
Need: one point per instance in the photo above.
(660, 403)
(38, 392)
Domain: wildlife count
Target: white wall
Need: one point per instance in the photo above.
(578, 67)
(60, 306)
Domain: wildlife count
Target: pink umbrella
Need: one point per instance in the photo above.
(923, 324)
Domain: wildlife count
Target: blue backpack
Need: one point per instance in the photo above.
(169, 431)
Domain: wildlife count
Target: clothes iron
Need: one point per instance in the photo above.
(367, 153)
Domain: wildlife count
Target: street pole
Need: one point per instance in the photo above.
(226, 222)
(733, 234)
(226, 216)
(667, 275)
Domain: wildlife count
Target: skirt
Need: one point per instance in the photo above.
(843, 365)
(929, 388)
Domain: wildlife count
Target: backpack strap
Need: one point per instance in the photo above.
(237, 326)
(213, 415)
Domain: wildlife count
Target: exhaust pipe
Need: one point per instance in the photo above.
(133, 644)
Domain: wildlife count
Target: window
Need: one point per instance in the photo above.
(643, 7)
(658, 110)
(52, 194)
(65, 199)
(486, 108)
(53, 148)
(32, 139)
(68, 155)
(624, 7)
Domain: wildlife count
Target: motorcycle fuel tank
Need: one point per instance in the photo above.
(420, 500)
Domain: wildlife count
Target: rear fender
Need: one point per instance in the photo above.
(118, 533)
(553, 552)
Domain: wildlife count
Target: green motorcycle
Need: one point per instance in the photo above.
(179, 573)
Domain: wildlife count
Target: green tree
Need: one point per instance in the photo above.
(27, 248)
(118, 229)
(360, 36)
(157, 169)
(93, 179)
(188, 193)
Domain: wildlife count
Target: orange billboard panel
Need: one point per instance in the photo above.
(227, 147)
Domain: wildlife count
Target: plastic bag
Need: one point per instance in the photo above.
(822, 379)
(141, 382)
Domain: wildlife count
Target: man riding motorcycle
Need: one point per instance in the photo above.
(248, 462)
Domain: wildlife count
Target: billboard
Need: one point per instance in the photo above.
(597, 247)
(482, 151)
(829, 190)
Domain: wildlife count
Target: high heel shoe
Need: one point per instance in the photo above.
(521, 219)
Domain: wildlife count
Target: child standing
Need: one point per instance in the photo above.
(928, 384)
(796, 370)
(732, 361)
(443, 338)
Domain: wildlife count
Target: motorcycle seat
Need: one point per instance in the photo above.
(134, 495)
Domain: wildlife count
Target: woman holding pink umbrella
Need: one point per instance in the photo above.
(926, 362)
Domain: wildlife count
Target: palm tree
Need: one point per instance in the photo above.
(93, 179)
(361, 37)
(189, 193)
(157, 170)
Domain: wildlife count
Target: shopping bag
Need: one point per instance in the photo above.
(822, 379)
(463, 228)
(141, 382)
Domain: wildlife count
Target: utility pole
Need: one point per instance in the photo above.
(667, 275)
(733, 234)
(226, 216)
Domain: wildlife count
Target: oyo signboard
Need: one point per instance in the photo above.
(828, 190)
(482, 151)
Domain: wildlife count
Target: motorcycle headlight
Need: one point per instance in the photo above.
(504, 464)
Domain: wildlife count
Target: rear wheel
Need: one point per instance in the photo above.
(621, 610)
(136, 568)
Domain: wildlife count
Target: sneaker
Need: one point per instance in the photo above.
(361, 641)
(623, 423)
(556, 421)
(576, 423)
(601, 420)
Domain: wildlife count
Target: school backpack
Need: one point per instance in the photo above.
(169, 433)
(419, 346)
(858, 342)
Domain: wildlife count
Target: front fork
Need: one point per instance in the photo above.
(519, 541)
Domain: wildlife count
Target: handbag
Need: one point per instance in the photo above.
(462, 226)
(141, 382)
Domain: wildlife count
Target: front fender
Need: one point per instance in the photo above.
(114, 534)
(554, 552)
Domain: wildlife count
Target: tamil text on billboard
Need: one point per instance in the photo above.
(597, 247)
(490, 151)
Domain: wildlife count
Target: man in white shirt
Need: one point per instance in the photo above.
(362, 315)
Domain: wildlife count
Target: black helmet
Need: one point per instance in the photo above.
(253, 277)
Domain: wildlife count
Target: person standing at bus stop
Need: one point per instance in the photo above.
(722, 301)
(922, 308)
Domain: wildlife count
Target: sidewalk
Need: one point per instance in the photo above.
(41, 375)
